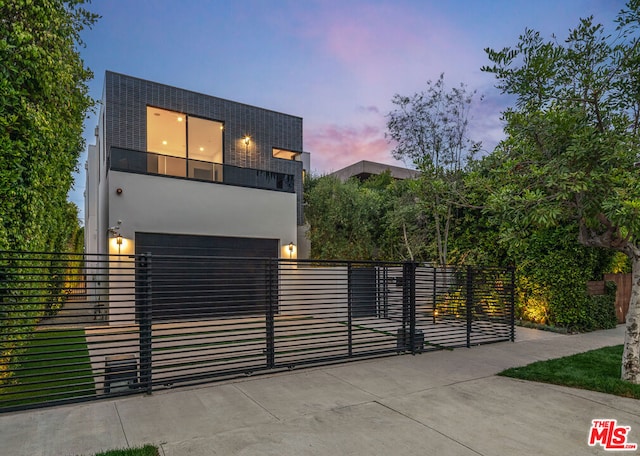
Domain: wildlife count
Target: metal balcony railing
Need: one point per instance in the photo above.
(135, 161)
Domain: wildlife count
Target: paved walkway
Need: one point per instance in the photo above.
(439, 403)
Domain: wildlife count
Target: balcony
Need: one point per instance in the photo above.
(134, 161)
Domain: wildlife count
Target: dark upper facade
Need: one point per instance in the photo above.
(153, 128)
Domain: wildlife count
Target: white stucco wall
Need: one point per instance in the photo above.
(161, 204)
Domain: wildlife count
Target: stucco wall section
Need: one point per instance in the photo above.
(164, 205)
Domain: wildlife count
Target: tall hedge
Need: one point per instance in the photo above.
(552, 273)
(43, 102)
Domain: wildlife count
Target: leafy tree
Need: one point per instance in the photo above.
(572, 140)
(43, 101)
(407, 229)
(344, 219)
(430, 129)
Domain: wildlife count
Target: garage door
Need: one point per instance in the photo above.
(195, 277)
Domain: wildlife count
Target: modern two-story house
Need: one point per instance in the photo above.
(175, 172)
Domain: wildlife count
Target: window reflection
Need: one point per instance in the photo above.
(175, 136)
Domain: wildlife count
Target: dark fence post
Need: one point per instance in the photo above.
(512, 303)
(469, 303)
(412, 307)
(272, 297)
(409, 306)
(145, 322)
(350, 285)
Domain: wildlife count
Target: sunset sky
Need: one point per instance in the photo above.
(336, 64)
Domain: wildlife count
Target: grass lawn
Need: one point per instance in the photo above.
(147, 450)
(596, 370)
(45, 375)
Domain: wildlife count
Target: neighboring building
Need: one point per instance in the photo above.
(174, 170)
(364, 169)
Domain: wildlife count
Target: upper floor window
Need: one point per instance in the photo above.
(175, 136)
(286, 154)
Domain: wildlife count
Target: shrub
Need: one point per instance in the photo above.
(551, 287)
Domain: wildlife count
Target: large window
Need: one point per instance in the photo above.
(184, 145)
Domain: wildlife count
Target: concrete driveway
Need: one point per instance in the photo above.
(437, 403)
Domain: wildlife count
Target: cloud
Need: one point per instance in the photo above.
(334, 146)
(386, 45)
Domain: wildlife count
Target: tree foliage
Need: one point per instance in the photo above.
(343, 218)
(552, 270)
(43, 102)
(572, 141)
(382, 219)
(378, 219)
(430, 129)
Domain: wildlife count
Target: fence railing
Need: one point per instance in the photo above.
(84, 327)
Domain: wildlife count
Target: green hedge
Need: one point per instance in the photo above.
(551, 283)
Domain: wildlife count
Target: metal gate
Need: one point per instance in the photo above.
(82, 327)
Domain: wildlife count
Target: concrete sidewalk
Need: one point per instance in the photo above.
(440, 403)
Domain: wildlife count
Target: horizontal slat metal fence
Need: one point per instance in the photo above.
(84, 327)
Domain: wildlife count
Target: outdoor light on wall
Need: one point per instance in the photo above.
(291, 248)
(115, 232)
(119, 242)
(247, 140)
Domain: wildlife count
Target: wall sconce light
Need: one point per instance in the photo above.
(115, 232)
(291, 248)
(247, 139)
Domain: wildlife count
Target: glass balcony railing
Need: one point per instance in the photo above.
(135, 161)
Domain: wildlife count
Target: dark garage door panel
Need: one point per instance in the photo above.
(192, 280)
(195, 245)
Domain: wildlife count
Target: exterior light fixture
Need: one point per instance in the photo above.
(291, 247)
(115, 232)
(119, 242)
(246, 140)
